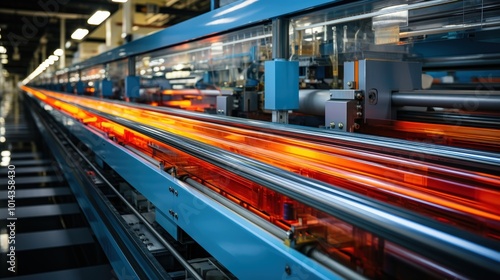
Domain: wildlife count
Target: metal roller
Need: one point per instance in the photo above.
(464, 100)
(312, 101)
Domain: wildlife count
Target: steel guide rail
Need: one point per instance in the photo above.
(432, 153)
(463, 252)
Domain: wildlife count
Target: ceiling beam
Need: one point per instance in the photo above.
(42, 14)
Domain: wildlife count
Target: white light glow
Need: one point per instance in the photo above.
(3, 49)
(5, 61)
(53, 58)
(98, 17)
(5, 153)
(119, 1)
(5, 161)
(59, 52)
(79, 34)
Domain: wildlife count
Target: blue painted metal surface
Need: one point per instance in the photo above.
(282, 85)
(132, 86)
(235, 15)
(80, 87)
(97, 87)
(246, 250)
(107, 88)
(69, 88)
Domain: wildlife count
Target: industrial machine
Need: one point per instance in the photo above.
(290, 139)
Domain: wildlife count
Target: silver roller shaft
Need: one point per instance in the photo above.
(457, 99)
(312, 101)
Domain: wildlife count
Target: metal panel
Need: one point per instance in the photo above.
(99, 272)
(340, 114)
(386, 77)
(282, 85)
(42, 210)
(238, 244)
(232, 16)
(53, 238)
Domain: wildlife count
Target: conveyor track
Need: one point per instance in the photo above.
(50, 235)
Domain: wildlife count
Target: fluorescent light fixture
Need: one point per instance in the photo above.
(59, 52)
(53, 58)
(98, 17)
(79, 34)
(3, 49)
(5, 61)
(120, 1)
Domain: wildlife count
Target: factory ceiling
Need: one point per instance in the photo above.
(28, 25)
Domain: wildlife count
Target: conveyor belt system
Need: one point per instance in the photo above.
(249, 166)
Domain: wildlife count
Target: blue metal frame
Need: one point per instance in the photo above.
(246, 250)
(236, 15)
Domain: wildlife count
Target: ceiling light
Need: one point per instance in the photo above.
(3, 55)
(53, 58)
(79, 34)
(120, 1)
(3, 49)
(98, 17)
(59, 52)
(5, 61)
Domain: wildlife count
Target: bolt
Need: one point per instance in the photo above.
(288, 270)
(351, 84)
(170, 189)
(175, 216)
(359, 96)
(289, 234)
(359, 107)
(341, 125)
(372, 96)
(356, 125)
(359, 114)
(176, 193)
(332, 125)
